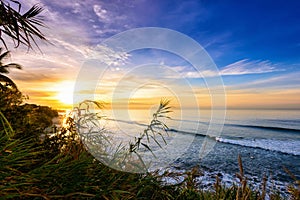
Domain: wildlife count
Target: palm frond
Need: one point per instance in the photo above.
(3, 55)
(7, 81)
(13, 65)
(22, 29)
(4, 68)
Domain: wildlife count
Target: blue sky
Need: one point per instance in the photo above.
(255, 44)
(259, 30)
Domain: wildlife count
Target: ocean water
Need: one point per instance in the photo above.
(267, 140)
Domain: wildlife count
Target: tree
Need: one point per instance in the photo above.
(4, 69)
(21, 28)
(10, 95)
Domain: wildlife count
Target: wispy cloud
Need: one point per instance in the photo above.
(280, 82)
(241, 67)
(247, 66)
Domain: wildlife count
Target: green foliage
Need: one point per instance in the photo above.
(7, 86)
(26, 120)
(29, 120)
(294, 189)
(21, 28)
(100, 141)
(9, 96)
(60, 167)
(7, 129)
(153, 129)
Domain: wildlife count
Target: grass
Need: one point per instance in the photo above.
(44, 170)
(28, 171)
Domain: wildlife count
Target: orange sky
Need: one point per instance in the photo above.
(59, 94)
(49, 80)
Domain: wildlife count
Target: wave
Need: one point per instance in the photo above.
(126, 121)
(283, 146)
(289, 121)
(272, 128)
(190, 121)
(185, 132)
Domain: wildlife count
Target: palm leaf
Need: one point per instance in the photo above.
(22, 29)
(13, 65)
(3, 55)
(4, 68)
(7, 81)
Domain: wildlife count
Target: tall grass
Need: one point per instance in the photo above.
(7, 129)
(102, 144)
(60, 168)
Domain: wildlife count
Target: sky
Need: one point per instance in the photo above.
(255, 46)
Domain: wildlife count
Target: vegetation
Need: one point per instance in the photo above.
(121, 156)
(21, 28)
(4, 70)
(59, 166)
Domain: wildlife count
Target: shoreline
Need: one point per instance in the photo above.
(205, 180)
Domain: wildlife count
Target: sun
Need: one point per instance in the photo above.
(65, 92)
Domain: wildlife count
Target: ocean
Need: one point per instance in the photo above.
(268, 141)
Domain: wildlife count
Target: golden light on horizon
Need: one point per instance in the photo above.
(60, 93)
(65, 92)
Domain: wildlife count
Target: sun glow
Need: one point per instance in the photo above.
(65, 92)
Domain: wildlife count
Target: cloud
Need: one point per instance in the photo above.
(247, 66)
(77, 27)
(107, 55)
(111, 19)
(44, 94)
(241, 67)
(198, 74)
(285, 80)
(31, 77)
(100, 12)
(280, 82)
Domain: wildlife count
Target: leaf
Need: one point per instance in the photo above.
(162, 137)
(4, 55)
(7, 81)
(143, 167)
(6, 125)
(22, 29)
(145, 145)
(156, 141)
